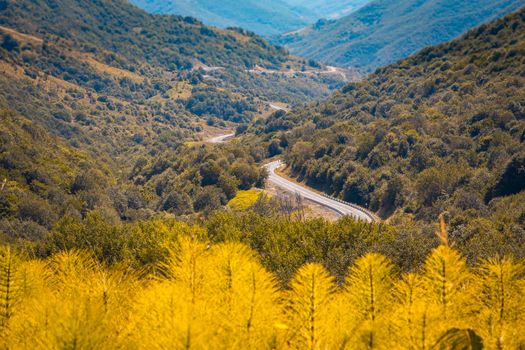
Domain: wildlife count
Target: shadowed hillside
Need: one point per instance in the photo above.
(385, 31)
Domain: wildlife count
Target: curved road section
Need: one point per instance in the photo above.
(340, 207)
(221, 138)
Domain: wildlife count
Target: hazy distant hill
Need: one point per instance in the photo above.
(269, 17)
(329, 9)
(384, 31)
(263, 17)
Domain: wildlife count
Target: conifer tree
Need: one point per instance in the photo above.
(369, 290)
(501, 303)
(308, 308)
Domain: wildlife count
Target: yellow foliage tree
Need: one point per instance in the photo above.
(220, 297)
(369, 291)
(246, 298)
(500, 303)
(308, 306)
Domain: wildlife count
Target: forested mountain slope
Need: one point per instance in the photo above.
(262, 17)
(442, 131)
(385, 31)
(128, 91)
(329, 9)
(270, 17)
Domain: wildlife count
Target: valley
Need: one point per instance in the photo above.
(357, 182)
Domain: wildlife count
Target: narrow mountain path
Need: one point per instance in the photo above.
(340, 207)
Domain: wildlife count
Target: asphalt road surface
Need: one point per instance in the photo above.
(337, 206)
(278, 108)
(220, 138)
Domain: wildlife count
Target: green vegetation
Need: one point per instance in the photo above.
(120, 93)
(113, 231)
(212, 102)
(42, 184)
(442, 131)
(283, 242)
(383, 31)
(133, 36)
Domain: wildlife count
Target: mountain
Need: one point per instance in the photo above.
(441, 131)
(126, 97)
(121, 227)
(263, 17)
(385, 31)
(329, 9)
(270, 17)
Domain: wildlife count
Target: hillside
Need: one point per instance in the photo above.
(134, 94)
(385, 31)
(132, 216)
(328, 9)
(442, 131)
(262, 17)
(270, 17)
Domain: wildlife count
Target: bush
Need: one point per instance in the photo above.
(9, 43)
(512, 180)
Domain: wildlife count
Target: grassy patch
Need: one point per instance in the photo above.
(244, 199)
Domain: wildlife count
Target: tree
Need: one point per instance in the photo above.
(210, 172)
(502, 305)
(209, 198)
(308, 307)
(229, 185)
(369, 290)
(178, 203)
(247, 175)
(9, 43)
(512, 180)
(274, 148)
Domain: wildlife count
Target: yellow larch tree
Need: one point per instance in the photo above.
(369, 293)
(245, 298)
(308, 309)
(172, 313)
(500, 303)
(412, 316)
(446, 294)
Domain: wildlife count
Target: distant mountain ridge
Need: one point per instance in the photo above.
(385, 31)
(269, 17)
(329, 9)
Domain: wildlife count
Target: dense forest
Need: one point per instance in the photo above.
(40, 185)
(442, 131)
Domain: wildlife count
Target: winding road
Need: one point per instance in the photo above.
(342, 208)
(277, 108)
(220, 138)
(338, 206)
